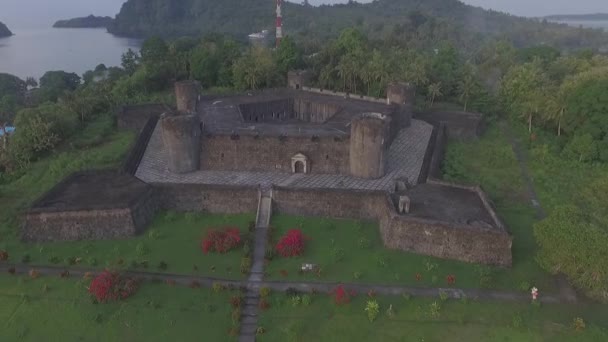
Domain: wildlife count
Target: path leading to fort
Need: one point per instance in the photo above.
(565, 289)
(249, 311)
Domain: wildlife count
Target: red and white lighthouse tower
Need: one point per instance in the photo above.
(279, 22)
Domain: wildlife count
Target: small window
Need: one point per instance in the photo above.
(327, 157)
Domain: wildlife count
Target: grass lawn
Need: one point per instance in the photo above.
(172, 238)
(157, 312)
(489, 162)
(413, 320)
(175, 240)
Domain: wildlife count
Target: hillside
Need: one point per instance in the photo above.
(593, 16)
(84, 22)
(4, 31)
(447, 19)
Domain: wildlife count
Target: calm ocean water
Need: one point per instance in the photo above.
(32, 52)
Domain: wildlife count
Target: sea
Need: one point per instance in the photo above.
(32, 52)
(603, 24)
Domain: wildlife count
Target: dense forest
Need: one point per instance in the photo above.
(594, 16)
(85, 22)
(397, 20)
(4, 31)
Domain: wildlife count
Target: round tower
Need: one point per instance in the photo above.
(182, 139)
(368, 145)
(186, 94)
(400, 93)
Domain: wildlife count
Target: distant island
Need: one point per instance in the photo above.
(566, 17)
(84, 22)
(4, 31)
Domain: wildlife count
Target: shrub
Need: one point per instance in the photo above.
(260, 331)
(235, 301)
(291, 244)
(65, 274)
(443, 296)
(364, 243)
(517, 321)
(245, 265)
(373, 309)
(195, 284)
(221, 241)
(306, 300)
(435, 310)
(296, 301)
(573, 243)
(337, 254)
(357, 275)
(381, 261)
(264, 304)
(450, 279)
(265, 292)
(406, 297)
(3, 255)
(418, 277)
(141, 249)
(292, 292)
(525, 286)
(163, 266)
(111, 286)
(579, 324)
(154, 234)
(34, 274)
(341, 296)
(217, 287)
(390, 312)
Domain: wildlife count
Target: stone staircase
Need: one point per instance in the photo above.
(249, 312)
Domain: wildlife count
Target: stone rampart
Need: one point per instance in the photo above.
(220, 199)
(463, 242)
(79, 225)
(459, 125)
(326, 155)
(344, 95)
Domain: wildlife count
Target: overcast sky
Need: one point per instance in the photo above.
(42, 13)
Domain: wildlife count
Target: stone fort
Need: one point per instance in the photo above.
(305, 151)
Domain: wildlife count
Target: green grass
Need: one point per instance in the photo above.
(412, 321)
(157, 312)
(489, 162)
(370, 262)
(172, 238)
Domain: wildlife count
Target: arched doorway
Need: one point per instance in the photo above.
(298, 167)
(299, 164)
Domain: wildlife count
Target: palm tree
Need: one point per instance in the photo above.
(557, 108)
(466, 88)
(434, 92)
(343, 69)
(416, 74)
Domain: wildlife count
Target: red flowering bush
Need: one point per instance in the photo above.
(111, 286)
(418, 277)
(341, 296)
(3, 255)
(221, 241)
(291, 244)
(451, 279)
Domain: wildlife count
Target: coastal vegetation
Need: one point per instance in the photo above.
(420, 23)
(90, 21)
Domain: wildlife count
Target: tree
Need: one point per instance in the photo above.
(53, 84)
(466, 87)
(255, 69)
(154, 50)
(434, 92)
(130, 61)
(416, 74)
(582, 148)
(288, 55)
(523, 90)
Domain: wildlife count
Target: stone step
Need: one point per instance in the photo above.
(251, 320)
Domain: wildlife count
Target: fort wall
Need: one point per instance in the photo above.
(429, 237)
(326, 155)
(78, 225)
(217, 199)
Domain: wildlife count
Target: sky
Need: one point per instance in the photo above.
(42, 13)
